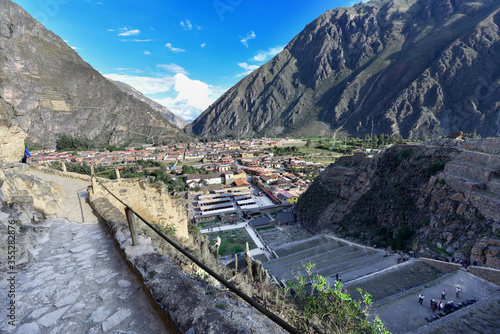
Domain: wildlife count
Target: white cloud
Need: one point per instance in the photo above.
(248, 37)
(248, 69)
(146, 85)
(146, 52)
(188, 98)
(193, 97)
(129, 32)
(143, 40)
(263, 56)
(111, 29)
(174, 50)
(186, 25)
(73, 47)
(203, 45)
(172, 68)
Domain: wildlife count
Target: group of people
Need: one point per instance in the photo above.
(438, 305)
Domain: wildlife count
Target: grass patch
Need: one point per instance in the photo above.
(437, 249)
(233, 241)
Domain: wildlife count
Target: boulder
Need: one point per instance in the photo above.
(12, 143)
(487, 252)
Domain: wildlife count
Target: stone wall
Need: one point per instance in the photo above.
(489, 274)
(61, 173)
(151, 201)
(444, 267)
(181, 300)
(476, 172)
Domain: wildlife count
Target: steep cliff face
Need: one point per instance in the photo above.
(441, 198)
(418, 68)
(51, 90)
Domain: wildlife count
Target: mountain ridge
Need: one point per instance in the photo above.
(51, 90)
(394, 64)
(164, 111)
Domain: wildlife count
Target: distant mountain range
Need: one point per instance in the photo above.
(418, 68)
(48, 89)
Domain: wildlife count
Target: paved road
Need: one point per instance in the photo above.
(78, 282)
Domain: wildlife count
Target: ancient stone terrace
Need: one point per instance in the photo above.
(477, 176)
(330, 257)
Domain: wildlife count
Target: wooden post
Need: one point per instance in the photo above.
(131, 225)
(118, 177)
(92, 179)
(64, 167)
(235, 264)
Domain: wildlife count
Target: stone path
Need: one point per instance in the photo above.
(78, 282)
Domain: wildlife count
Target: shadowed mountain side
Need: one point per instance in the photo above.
(417, 68)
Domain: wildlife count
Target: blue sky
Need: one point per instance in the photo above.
(182, 54)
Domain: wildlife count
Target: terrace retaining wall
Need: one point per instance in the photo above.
(489, 274)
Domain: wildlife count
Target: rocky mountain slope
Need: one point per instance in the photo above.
(418, 68)
(170, 116)
(49, 90)
(439, 198)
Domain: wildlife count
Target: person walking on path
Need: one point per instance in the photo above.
(457, 291)
(421, 298)
(443, 294)
(27, 155)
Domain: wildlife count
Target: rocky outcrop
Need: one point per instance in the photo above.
(11, 135)
(23, 202)
(19, 186)
(440, 199)
(50, 90)
(384, 66)
(487, 251)
(12, 143)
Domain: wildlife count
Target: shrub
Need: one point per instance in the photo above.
(435, 167)
(329, 309)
